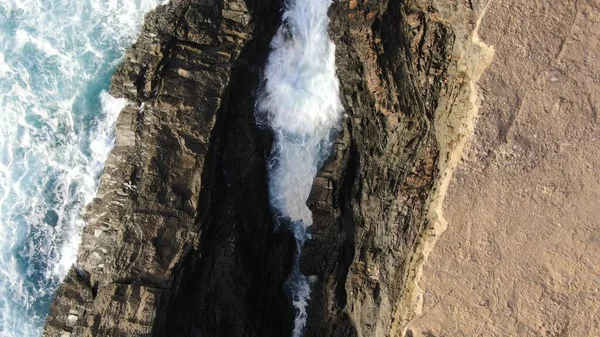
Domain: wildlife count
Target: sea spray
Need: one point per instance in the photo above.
(299, 101)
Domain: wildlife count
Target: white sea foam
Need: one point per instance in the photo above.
(56, 130)
(300, 102)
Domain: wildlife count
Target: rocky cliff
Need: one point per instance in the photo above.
(180, 239)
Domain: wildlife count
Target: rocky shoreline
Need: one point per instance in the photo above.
(180, 241)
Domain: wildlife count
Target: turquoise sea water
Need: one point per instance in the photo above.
(56, 130)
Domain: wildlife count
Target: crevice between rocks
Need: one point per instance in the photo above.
(346, 256)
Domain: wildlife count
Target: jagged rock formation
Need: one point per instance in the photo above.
(180, 240)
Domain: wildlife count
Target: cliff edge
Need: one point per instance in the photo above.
(520, 256)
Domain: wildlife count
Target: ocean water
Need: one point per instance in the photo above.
(56, 130)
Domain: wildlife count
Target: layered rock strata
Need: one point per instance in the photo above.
(180, 238)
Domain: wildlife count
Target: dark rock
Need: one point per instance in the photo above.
(180, 239)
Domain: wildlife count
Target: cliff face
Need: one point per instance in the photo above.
(180, 240)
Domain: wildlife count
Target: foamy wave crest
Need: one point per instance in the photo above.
(300, 102)
(56, 130)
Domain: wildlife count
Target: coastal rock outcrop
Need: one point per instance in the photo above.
(180, 239)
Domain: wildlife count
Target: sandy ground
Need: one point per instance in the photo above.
(521, 255)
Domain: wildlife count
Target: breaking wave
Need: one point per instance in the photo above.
(299, 101)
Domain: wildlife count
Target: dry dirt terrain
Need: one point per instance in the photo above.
(521, 255)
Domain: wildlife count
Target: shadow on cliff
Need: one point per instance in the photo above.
(230, 283)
